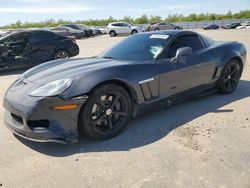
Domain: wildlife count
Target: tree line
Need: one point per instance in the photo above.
(144, 19)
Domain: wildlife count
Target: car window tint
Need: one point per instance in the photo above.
(125, 25)
(137, 48)
(73, 26)
(207, 40)
(191, 41)
(43, 36)
(17, 39)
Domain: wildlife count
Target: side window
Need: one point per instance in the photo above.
(125, 25)
(191, 41)
(73, 26)
(162, 24)
(17, 39)
(43, 36)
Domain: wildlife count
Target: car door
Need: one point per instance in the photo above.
(43, 46)
(126, 28)
(169, 26)
(194, 70)
(18, 54)
(162, 26)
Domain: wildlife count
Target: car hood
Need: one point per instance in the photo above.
(60, 69)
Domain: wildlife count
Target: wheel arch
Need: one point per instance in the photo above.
(134, 30)
(238, 59)
(123, 84)
(112, 30)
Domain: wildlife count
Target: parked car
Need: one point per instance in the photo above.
(231, 26)
(96, 31)
(68, 31)
(117, 28)
(86, 29)
(211, 27)
(29, 48)
(164, 26)
(103, 30)
(98, 95)
(150, 24)
(243, 25)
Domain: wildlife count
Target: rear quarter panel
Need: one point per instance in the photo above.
(225, 51)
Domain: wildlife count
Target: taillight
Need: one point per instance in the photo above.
(74, 40)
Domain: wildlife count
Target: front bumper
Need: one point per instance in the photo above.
(36, 119)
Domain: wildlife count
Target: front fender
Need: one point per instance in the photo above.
(130, 75)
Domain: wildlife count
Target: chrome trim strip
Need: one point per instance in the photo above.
(147, 80)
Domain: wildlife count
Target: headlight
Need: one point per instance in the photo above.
(53, 88)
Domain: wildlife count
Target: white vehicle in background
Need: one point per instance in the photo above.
(103, 30)
(3, 33)
(117, 28)
(244, 25)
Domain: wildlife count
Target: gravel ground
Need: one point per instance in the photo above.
(200, 143)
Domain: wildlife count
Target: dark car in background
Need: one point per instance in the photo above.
(211, 27)
(68, 31)
(86, 29)
(29, 48)
(163, 26)
(231, 26)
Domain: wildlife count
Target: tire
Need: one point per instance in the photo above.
(134, 32)
(156, 29)
(229, 77)
(62, 54)
(106, 112)
(112, 33)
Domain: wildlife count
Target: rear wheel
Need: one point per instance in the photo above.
(230, 77)
(106, 112)
(62, 54)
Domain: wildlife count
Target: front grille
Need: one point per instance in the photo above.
(38, 124)
(17, 118)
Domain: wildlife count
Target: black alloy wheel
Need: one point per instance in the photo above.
(230, 77)
(106, 112)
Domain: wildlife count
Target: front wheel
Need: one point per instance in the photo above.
(229, 77)
(134, 32)
(112, 33)
(106, 112)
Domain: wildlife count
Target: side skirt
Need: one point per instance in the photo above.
(174, 99)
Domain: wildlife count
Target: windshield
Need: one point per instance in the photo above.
(5, 37)
(140, 47)
(83, 26)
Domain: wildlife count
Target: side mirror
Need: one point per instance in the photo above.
(181, 52)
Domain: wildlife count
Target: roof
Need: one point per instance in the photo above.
(171, 32)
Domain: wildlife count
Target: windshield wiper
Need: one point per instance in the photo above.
(109, 57)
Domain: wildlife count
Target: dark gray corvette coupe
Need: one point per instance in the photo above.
(98, 95)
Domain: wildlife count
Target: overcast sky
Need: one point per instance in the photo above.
(39, 10)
